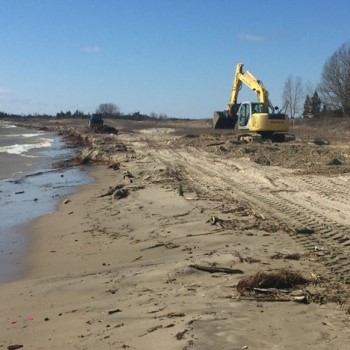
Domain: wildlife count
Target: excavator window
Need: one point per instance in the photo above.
(244, 114)
(258, 108)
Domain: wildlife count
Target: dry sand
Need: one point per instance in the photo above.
(108, 273)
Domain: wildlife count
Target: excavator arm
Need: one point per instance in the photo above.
(247, 78)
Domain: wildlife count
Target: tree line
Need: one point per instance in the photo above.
(105, 110)
(331, 97)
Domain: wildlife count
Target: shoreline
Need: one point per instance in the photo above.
(112, 268)
(32, 192)
(38, 239)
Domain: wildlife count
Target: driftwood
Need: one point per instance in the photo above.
(180, 335)
(304, 230)
(272, 295)
(175, 314)
(168, 245)
(111, 190)
(111, 312)
(138, 258)
(270, 290)
(215, 144)
(151, 330)
(292, 256)
(247, 259)
(215, 269)
(266, 298)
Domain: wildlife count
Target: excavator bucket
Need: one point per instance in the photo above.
(223, 121)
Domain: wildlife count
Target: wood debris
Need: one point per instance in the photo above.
(215, 269)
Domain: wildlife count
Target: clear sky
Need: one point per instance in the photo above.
(159, 56)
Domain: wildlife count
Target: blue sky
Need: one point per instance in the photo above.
(159, 56)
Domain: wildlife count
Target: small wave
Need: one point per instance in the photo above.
(23, 135)
(8, 126)
(23, 148)
(31, 135)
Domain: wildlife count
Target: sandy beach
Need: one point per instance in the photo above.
(120, 264)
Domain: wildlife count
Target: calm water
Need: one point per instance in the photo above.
(29, 187)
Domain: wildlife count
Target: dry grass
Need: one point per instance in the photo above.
(332, 130)
(279, 279)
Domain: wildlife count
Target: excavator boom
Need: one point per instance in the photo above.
(248, 79)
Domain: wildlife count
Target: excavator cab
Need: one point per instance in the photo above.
(246, 112)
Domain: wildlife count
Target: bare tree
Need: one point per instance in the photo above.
(293, 95)
(153, 115)
(108, 110)
(335, 81)
(309, 88)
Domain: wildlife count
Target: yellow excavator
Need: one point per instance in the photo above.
(252, 120)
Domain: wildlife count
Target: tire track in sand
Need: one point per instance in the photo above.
(278, 193)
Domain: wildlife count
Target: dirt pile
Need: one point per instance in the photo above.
(306, 158)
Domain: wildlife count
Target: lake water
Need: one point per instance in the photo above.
(29, 187)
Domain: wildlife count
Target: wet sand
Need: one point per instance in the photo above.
(24, 198)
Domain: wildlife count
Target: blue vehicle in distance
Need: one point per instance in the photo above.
(95, 120)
